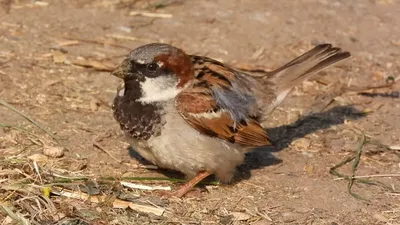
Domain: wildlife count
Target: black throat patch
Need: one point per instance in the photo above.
(139, 120)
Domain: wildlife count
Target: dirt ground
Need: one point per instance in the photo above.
(55, 58)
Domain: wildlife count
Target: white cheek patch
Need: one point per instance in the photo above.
(158, 89)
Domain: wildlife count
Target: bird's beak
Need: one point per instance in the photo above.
(122, 69)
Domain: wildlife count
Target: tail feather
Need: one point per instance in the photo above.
(303, 67)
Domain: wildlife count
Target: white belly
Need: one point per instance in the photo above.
(180, 147)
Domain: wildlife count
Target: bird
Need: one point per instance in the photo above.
(199, 116)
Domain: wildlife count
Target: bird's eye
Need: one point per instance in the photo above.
(152, 67)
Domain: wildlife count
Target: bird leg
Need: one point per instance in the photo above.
(191, 183)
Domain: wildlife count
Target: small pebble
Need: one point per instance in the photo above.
(53, 152)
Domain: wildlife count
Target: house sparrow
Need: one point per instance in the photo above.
(199, 116)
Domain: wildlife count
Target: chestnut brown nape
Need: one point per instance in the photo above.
(179, 63)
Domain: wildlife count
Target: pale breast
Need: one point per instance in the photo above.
(180, 147)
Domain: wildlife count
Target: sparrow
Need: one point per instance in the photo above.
(199, 116)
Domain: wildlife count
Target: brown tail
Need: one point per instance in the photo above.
(304, 66)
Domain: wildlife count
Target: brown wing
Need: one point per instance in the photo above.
(201, 106)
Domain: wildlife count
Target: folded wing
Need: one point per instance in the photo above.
(214, 107)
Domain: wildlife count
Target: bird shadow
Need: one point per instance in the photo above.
(282, 137)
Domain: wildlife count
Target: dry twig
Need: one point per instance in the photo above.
(144, 187)
(148, 14)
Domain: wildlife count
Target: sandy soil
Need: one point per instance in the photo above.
(43, 46)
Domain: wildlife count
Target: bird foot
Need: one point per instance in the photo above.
(187, 187)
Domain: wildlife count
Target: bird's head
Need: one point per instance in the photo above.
(160, 69)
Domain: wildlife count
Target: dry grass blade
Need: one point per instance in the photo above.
(355, 165)
(356, 157)
(148, 14)
(64, 179)
(395, 147)
(97, 145)
(129, 38)
(115, 203)
(95, 64)
(61, 180)
(390, 82)
(103, 43)
(144, 187)
(19, 129)
(372, 175)
(30, 120)
(172, 180)
(17, 217)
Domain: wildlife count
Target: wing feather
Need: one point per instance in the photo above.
(214, 107)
